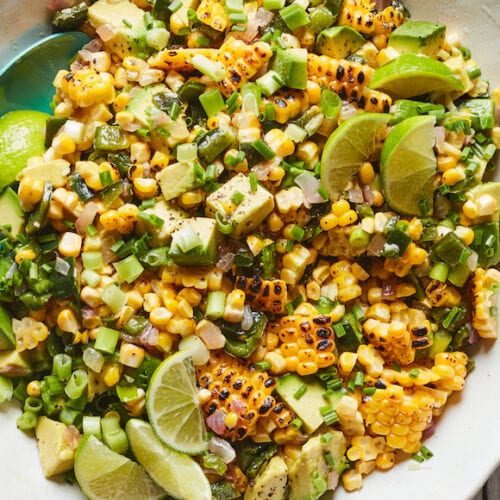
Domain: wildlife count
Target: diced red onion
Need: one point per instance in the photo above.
(216, 421)
(108, 255)
(86, 217)
(237, 406)
(225, 262)
(105, 32)
(94, 45)
(62, 267)
(309, 185)
(149, 336)
(72, 436)
(156, 286)
(368, 195)
(222, 448)
(212, 335)
(380, 5)
(376, 245)
(473, 334)
(60, 4)
(247, 321)
(93, 359)
(429, 431)
(440, 136)
(131, 339)
(355, 196)
(88, 312)
(332, 480)
(388, 290)
(261, 170)
(260, 20)
(472, 261)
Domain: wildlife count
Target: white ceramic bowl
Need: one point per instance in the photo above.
(466, 443)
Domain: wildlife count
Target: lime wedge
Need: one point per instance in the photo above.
(22, 135)
(104, 474)
(178, 474)
(354, 142)
(408, 166)
(173, 407)
(411, 75)
(486, 188)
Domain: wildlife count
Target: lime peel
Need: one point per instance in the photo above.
(173, 406)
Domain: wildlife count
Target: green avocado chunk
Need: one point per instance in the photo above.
(418, 37)
(11, 211)
(291, 66)
(339, 41)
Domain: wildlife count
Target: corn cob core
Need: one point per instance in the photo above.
(241, 392)
(264, 295)
(306, 342)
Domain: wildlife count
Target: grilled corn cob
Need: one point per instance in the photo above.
(264, 295)
(240, 394)
(213, 14)
(306, 343)
(483, 290)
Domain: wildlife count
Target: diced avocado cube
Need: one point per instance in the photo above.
(307, 406)
(55, 171)
(56, 454)
(308, 473)
(418, 37)
(142, 105)
(14, 364)
(246, 215)
(178, 178)
(271, 481)
(291, 66)
(171, 217)
(11, 211)
(127, 23)
(194, 243)
(7, 338)
(339, 41)
(482, 112)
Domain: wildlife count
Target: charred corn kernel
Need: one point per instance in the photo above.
(289, 199)
(213, 14)
(140, 152)
(28, 333)
(279, 143)
(86, 87)
(235, 303)
(277, 362)
(160, 316)
(159, 160)
(25, 253)
(234, 385)
(70, 244)
(350, 217)
(352, 480)
(340, 207)
(124, 118)
(385, 460)
(415, 228)
(466, 234)
(145, 187)
(313, 91)
(30, 192)
(131, 355)
(184, 307)
(288, 104)
(347, 362)
(445, 163)
(328, 221)
(67, 321)
(308, 151)
(453, 176)
(295, 263)
(63, 144)
(179, 325)
(34, 388)
(470, 209)
(486, 205)
(151, 302)
(359, 272)
(111, 373)
(366, 173)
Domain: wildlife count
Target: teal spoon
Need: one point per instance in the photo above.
(26, 82)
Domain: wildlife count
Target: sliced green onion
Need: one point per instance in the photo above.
(326, 438)
(238, 18)
(128, 269)
(113, 435)
(77, 383)
(439, 271)
(213, 69)
(224, 223)
(426, 453)
(294, 16)
(105, 177)
(273, 4)
(91, 230)
(262, 365)
(107, 339)
(175, 5)
(359, 238)
(26, 421)
(92, 260)
(212, 101)
(92, 425)
(186, 152)
(62, 365)
(33, 404)
(114, 297)
(260, 146)
(296, 133)
(300, 391)
(252, 178)
(216, 301)
(237, 197)
(297, 233)
(270, 82)
(474, 72)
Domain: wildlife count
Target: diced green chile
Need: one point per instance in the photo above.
(487, 243)
(224, 490)
(70, 18)
(190, 91)
(213, 143)
(37, 218)
(65, 286)
(450, 249)
(110, 138)
(242, 343)
(52, 126)
(78, 185)
(252, 456)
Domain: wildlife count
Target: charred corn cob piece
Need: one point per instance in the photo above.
(307, 343)
(442, 294)
(240, 395)
(241, 61)
(483, 290)
(401, 415)
(179, 59)
(264, 295)
(335, 243)
(213, 14)
(288, 104)
(349, 80)
(397, 334)
(451, 367)
(363, 16)
(412, 256)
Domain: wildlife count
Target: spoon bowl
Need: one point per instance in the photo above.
(26, 81)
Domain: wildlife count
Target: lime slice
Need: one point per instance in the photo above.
(178, 474)
(354, 142)
(173, 406)
(408, 166)
(104, 474)
(22, 135)
(411, 75)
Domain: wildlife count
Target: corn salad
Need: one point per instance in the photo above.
(179, 203)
